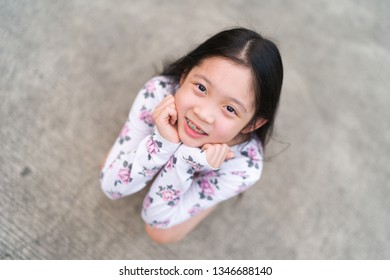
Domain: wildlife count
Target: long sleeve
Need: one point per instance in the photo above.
(139, 151)
(184, 183)
(187, 184)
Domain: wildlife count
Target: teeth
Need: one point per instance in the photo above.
(194, 127)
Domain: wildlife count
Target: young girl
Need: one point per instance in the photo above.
(197, 132)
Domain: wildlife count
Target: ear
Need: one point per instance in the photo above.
(251, 127)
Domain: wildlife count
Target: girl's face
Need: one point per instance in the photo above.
(215, 103)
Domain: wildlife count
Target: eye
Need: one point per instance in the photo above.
(230, 109)
(202, 88)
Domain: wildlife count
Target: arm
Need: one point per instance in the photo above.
(189, 185)
(140, 151)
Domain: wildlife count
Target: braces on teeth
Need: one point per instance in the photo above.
(193, 127)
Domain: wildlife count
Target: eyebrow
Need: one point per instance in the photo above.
(235, 100)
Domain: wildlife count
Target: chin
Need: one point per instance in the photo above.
(192, 144)
(188, 141)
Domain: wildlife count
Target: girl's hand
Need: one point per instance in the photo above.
(216, 154)
(165, 117)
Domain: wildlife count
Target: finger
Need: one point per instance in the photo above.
(168, 100)
(230, 155)
(225, 153)
(206, 146)
(165, 113)
(173, 116)
(218, 155)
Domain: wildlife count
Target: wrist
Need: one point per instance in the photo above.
(194, 157)
(167, 145)
(167, 136)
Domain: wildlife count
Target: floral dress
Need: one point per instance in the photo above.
(183, 183)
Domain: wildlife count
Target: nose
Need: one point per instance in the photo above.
(204, 114)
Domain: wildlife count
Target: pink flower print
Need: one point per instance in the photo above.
(252, 157)
(124, 175)
(241, 174)
(252, 154)
(146, 116)
(114, 195)
(153, 147)
(241, 188)
(160, 224)
(124, 131)
(149, 172)
(206, 187)
(169, 194)
(195, 165)
(153, 171)
(207, 190)
(147, 201)
(195, 210)
(169, 165)
(123, 134)
(150, 88)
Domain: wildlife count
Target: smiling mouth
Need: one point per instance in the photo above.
(194, 127)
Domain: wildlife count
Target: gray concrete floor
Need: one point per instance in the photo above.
(69, 71)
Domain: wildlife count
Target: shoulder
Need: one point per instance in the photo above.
(149, 96)
(251, 152)
(247, 161)
(159, 87)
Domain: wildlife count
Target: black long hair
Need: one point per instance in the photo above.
(248, 48)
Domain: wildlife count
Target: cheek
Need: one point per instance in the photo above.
(180, 104)
(178, 99)
(183, 101)
(226, 128)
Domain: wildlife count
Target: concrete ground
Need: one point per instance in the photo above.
(69, 71)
